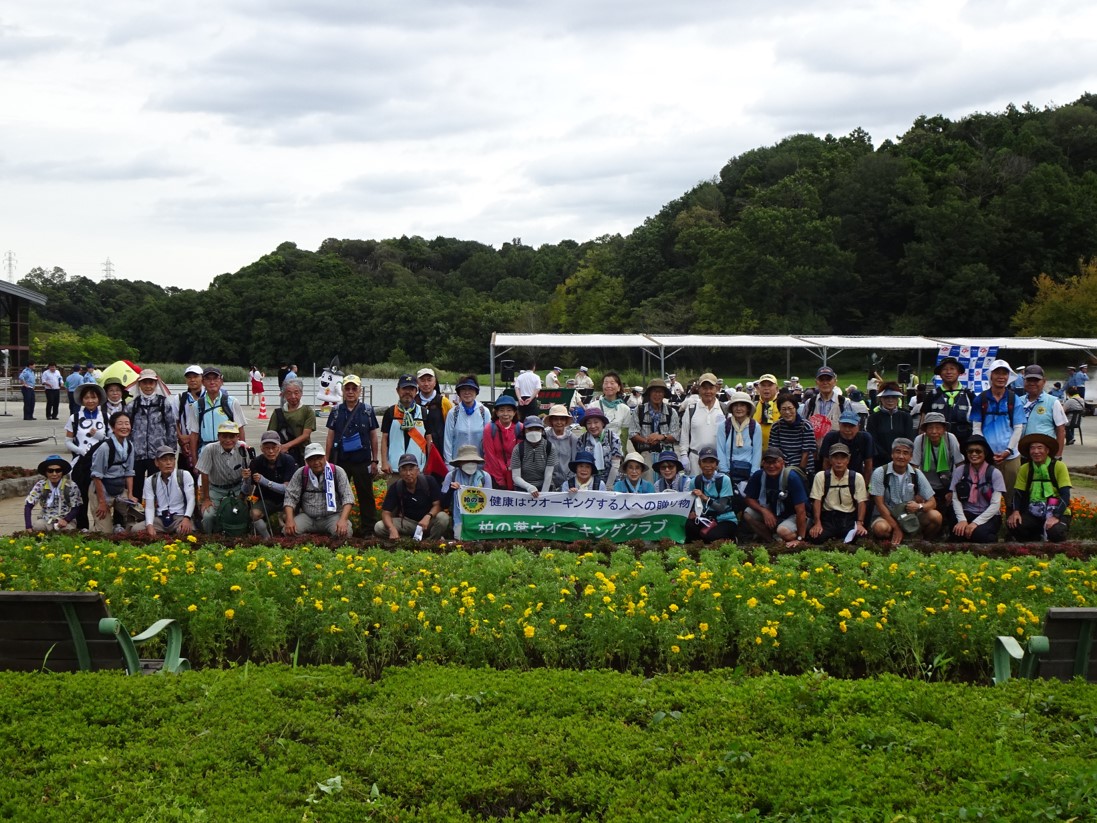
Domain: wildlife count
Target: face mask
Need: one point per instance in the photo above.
(533, 437)
(470, 468)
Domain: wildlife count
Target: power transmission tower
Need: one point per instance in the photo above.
(9, 265)
(108, 270)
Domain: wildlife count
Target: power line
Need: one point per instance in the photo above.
(9, 264)
(108, 270)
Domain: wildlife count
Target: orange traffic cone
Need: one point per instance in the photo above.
(262, 407)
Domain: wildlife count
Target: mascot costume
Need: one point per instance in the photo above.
(329, 389)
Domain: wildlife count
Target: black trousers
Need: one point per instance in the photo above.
(53, 403)
(360, 476)
(836, 525)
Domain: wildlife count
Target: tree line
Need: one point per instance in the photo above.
(979, 226)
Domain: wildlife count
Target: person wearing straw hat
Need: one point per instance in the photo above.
(632, 479)
(999, 415)
(977, 492)
(168, 496)
(602, 443)
(564, 441)
(54, 501)
(937, 453)
(656, 425)
(468, 470)
(1040, 503)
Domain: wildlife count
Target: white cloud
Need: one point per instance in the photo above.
(186, 141)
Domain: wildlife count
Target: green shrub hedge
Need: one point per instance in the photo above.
(262, 743)
(849, 614)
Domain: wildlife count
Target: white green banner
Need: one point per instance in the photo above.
(490, 514)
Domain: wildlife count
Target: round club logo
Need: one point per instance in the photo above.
(473, 500)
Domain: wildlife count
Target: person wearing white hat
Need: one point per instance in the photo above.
(318, 498)
(998, 414)
(193, 375)
(584, 383)
(154, 424)
(552, 379)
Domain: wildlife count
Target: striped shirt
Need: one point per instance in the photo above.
(793, 439)
(532, 461)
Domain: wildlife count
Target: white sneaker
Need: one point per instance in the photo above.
(119, 529)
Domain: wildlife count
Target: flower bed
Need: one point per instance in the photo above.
(850, 614)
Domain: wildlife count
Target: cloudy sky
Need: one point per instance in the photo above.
(186, 140)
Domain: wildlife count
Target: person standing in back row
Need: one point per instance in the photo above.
(27, 381)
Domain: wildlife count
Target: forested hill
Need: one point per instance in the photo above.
(943, 231)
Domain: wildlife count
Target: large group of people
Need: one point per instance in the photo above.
(768, 460)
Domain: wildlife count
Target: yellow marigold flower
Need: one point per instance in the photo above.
(845, 613)
(92, 584)
(229, 613)
(562, 627)
(192, 608)
(234, 588)
(931, 610)
(752, 602)
(394, 607)
(879, 625)
(865, 615)
(842, 627)
(295, 571)
(607, 600)
(218, 566)
(191, 538)
(438, 629)
(673, 607)
(589, 590)
(703, 627)
(675, 649)
(529, 631)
